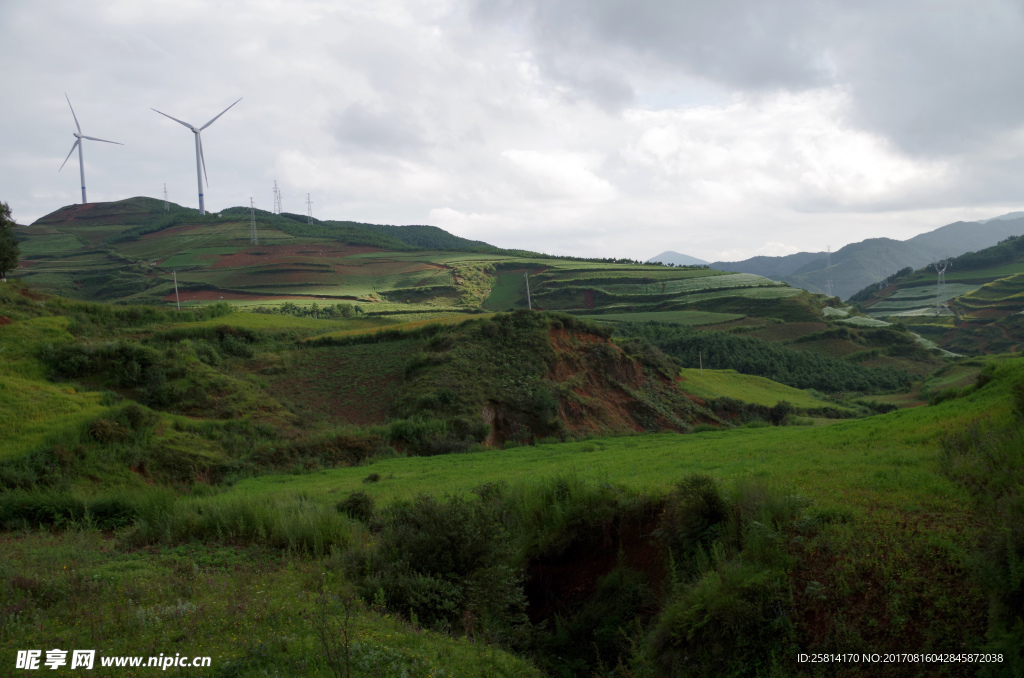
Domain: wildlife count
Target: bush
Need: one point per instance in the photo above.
(358, 505)
(694, 515)
(439, 559)
(732, 622)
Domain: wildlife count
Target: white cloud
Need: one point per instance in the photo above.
(576, 128)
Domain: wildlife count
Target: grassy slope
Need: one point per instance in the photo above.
(29, 405)
(248, 609)
(745, 387)
(891, 459)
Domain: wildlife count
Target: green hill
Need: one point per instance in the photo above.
(978, 310)
(132, 251)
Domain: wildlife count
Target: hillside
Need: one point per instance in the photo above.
(860, 264)
(154, 460)
(977, 310)
(131, 251)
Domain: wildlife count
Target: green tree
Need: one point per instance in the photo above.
(9, 249)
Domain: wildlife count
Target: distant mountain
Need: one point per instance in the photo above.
(860, 264)
(1011, 215)
(671, 257)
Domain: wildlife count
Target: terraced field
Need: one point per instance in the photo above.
(133, 250)
(693, 318)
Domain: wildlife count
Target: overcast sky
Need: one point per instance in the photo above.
(719, 129)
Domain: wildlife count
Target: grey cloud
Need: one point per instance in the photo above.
(386, 131)
(746, 44)
(933, 77)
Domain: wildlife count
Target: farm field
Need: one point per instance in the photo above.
(676, 317)
(131, 250)
(745, 387)
(983, 299)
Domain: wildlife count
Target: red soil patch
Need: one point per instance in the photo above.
(989, 313)
(606, 380)
(4, 320)
(215, 295)
(175, 230)
(34, 296)
(588, 298)
(274, 254)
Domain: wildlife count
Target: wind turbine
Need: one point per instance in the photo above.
(78, 142)
(200, 160)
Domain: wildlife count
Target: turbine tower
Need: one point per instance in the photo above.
(78, 142)
(200, 160)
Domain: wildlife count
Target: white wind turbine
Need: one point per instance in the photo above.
(200, 160)
(78, 143)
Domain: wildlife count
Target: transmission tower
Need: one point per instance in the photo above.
(252, 221)
(277, 198)
(167, 206)
(309, 210)
(828, 272)
(940, 287)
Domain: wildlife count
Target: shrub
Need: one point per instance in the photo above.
(730, 623)
(693, 517)
(438, 559)
(358, 505)
(105, 431)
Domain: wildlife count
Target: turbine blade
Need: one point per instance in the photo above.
(73, 147)
(103, 140)
(219, 114)
(73, 113)
(203, 158)
(173, 118)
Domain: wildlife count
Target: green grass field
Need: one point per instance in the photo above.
(507, 292)
(887, 461)
(745, 387)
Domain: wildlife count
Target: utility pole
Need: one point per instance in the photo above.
(309, 210)
(700, 361)
(167, 206)
(176, 299)
(529, 303)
